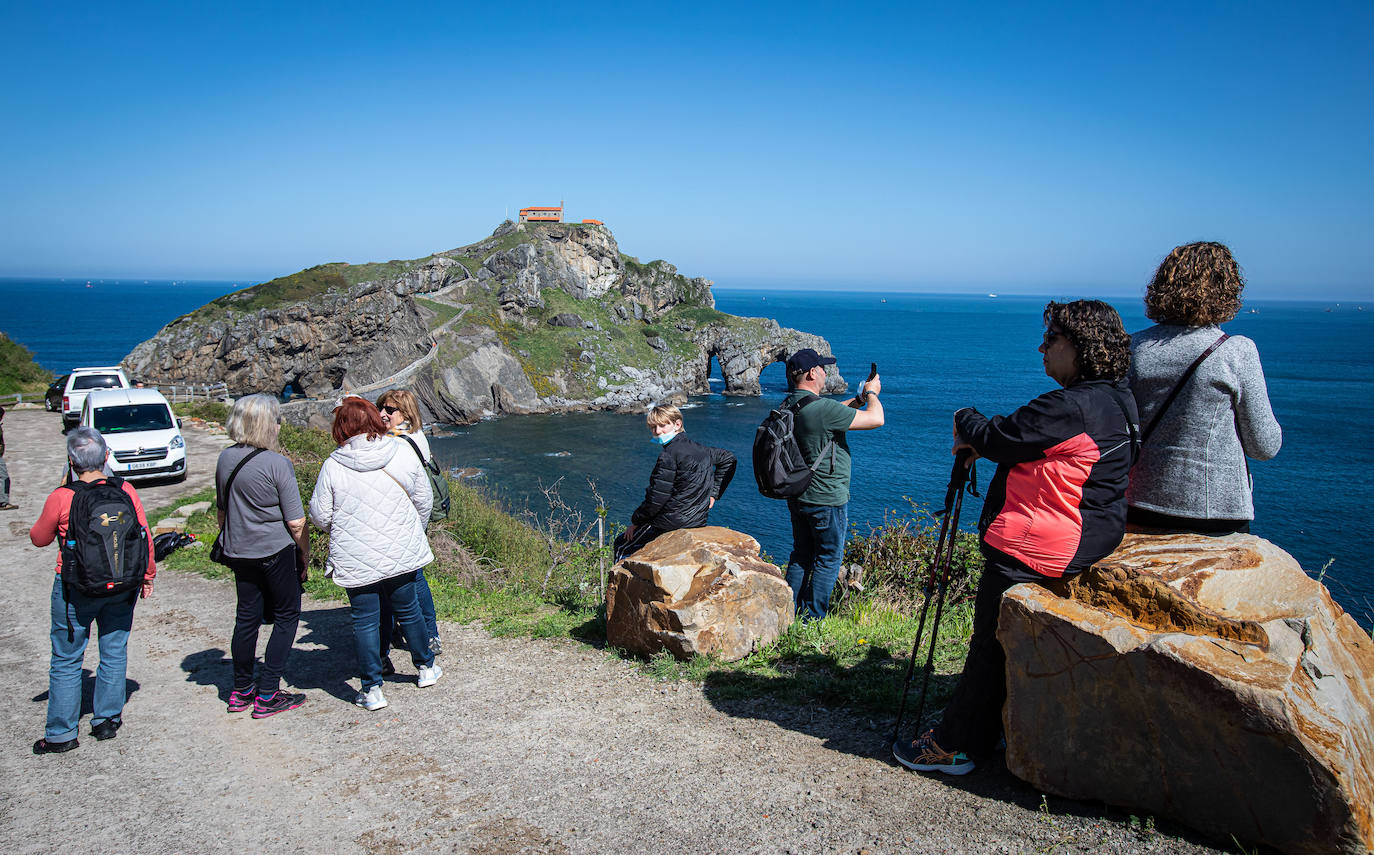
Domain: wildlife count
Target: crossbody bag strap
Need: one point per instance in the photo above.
(427, 464)
(222, 497)
(1178, 387)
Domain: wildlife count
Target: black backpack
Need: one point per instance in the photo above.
(105, 552)
(779, 467)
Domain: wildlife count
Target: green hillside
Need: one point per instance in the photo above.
(18, 371)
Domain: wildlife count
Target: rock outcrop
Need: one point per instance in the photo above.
(338, 340)
(552, 317)
(702, 591)
(1204, 679)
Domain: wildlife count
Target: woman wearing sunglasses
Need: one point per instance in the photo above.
(1055, 507)
(401, 415)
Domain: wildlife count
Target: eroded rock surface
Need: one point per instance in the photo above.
(341, 339)
(1205, 679)
(697, 591)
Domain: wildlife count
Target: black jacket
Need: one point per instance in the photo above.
(686, 477)
(1058, 501)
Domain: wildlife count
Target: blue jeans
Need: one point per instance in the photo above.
(365, 604)
(425, 597)
(114, 616)
(818, 533)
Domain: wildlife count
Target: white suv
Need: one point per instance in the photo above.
(143, 435)
(81, 382)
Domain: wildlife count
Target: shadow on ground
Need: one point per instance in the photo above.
(88, 692)
(329, 663)
(841, 727)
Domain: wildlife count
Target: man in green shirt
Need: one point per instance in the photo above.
(820, 516)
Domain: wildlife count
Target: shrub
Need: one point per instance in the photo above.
(18, 371)
(896, 559)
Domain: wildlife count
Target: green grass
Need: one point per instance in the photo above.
(297, 287)
(18, 371)
(442, 312)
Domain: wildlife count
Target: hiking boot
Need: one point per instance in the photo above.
(435, 646)
(43, 746)
(276, 702)
(925, 755)
(372, 699)
(107, 728)
(429, 675)
(240, 701)
(387, 668)
(6, 506)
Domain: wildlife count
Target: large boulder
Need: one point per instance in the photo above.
(1204, 679)
(697, 591)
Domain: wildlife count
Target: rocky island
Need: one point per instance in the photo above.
(536, 318)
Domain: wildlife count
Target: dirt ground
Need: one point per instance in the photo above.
(523, 746)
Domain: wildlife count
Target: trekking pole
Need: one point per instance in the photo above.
(960, 476)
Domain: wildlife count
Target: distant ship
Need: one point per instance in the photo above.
(992, 295)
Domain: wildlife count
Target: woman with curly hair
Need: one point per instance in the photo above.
(1199, 427)
(1055, 507)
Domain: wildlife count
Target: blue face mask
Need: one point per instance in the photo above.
(665, 438)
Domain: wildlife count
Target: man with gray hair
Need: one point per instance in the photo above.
(74, 612)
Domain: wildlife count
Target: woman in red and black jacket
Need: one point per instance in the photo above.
(1056, 506)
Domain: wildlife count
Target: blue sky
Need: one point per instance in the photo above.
(946, 147)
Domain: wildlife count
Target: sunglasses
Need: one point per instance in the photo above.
(389, 410)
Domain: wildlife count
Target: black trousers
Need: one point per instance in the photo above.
(624, 546)
(1154, 519)
(972, 721)
(266, 587)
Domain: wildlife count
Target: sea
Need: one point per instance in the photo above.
(935, 353)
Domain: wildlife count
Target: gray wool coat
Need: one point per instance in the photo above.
(1194, 464)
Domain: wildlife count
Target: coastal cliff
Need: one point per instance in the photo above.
(538, 317)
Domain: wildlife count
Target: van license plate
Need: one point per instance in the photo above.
(151, 464)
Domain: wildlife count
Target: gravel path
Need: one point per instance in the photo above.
(523, 746)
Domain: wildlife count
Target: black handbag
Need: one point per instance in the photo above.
(222, 499)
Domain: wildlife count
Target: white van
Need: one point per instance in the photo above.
(82, 381)
(139, 427)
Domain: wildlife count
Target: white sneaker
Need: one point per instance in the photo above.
(430, 675)
(372, 699)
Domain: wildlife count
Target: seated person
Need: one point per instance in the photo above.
(687, 479)
(1198, 430)
(1055, 507)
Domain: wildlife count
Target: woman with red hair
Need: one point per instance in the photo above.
(376, 540)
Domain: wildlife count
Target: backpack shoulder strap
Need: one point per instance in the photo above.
(829, 443)
(803, 403)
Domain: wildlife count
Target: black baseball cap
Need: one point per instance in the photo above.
(806, 359)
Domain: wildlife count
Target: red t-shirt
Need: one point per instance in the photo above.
(52, 523)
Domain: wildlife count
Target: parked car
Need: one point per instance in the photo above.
(83, 380)
(52, 399)
(143, 435)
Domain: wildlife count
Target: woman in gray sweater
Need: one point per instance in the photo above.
(1192, 474)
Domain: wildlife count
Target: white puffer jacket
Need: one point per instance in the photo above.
(376, 528)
